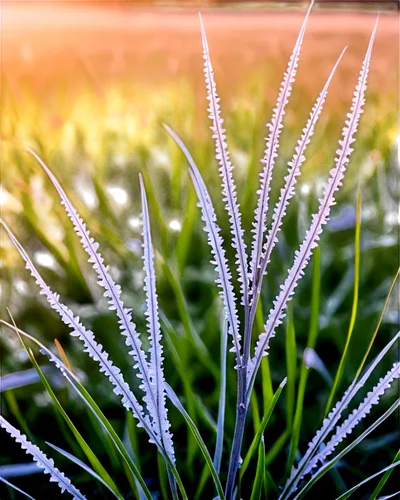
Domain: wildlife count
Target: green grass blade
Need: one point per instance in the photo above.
(371, 343)
(343, 359)
(266, 379)
(96, 464)
(389, 469)
(258, 437)
(132, 469)
(162, 476)
(175, 401)
(258, 480)
(291, 361)
(383, 481)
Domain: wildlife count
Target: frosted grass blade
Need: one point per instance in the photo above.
(92, 347)
(112, 290)
(295, 164)
(271, 151)
(216, 243)
(156, 373)
(225, 170)
(303, 255)
(42, 461)
(333, 417)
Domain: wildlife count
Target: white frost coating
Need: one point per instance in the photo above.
(356, 416)
(294, 171)
(42, 461)
(271, 151)
(93, 348)
(161, 424)
(225, 170)
(112, 290)
(302, 256)
(216, 243)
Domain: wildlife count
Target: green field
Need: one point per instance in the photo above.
(91, 99)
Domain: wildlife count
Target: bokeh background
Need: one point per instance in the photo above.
(88, 85)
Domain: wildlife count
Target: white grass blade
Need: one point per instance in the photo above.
(225, 170)
(295, 164)
(356, 416)
(112, 290)
(156, 373)
(271, 151)
(216, 243)
(332, 418)
(92, 347)
(302, 256)
(47, 464)
(328, 465)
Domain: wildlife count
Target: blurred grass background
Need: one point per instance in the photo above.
(88, 86)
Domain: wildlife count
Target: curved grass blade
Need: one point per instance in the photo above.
(326, 467)
(222, 402)
(42, 461)
(15, 488)
(175, 401)
(348, 493)
(216, 244)
(96, 464)
(225, 171)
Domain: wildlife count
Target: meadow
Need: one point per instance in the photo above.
(91, 97)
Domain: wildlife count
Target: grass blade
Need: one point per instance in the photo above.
(225, 171)
(258, 480)
(42, 461)
(326, 467)
(271, 151)
(158, 411)
(383, 481)
(389, 468)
